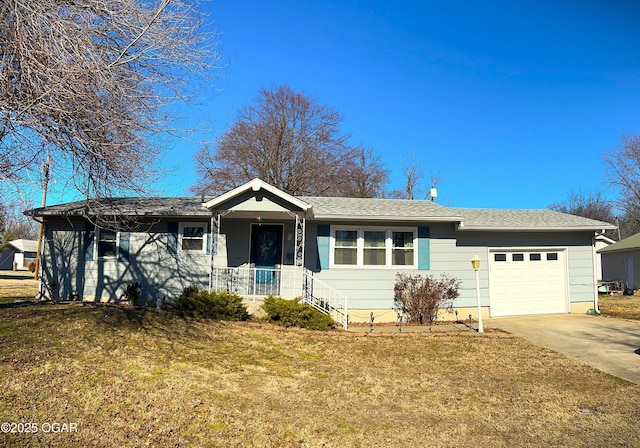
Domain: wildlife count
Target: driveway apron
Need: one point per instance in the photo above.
(606, 343)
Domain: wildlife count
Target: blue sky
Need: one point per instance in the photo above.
(511, 104)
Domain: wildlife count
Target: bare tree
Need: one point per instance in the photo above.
(289, 141)
(414, 181)
(587, 204)
(366, 175)
(93, 82)
(14, 225)
(624, 174)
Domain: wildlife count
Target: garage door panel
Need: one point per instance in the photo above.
(535, 285)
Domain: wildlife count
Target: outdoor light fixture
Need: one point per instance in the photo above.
(475, 264)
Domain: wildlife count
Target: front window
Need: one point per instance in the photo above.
(346, 249)
(107, 244)
(374, 247)
(192, 237)
(402, 250)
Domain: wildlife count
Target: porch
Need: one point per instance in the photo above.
(257, 283)
(257, 249)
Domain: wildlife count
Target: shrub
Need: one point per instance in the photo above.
(421, 297)
(292, 313)
(132, 292)
(189, 291)
(222, 305)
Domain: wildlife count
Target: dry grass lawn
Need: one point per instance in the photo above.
(617, 305)
(132, 377)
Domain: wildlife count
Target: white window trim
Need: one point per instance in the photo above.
(96, 244)
(181, 226)
(360, 247)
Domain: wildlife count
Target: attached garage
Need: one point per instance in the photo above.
(528, 281)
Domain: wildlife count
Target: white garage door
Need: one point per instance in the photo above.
(531, 281)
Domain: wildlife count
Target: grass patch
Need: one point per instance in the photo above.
(17, 289)
(617, 305)
(143, 377)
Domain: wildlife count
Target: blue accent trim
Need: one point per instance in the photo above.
(324, 243)
(424, 253)
(123, 249)
(172, 238)
(89, 237)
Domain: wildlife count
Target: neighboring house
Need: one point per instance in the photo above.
(602, 241)
(257, 240)
(621, 262)
(21, 252)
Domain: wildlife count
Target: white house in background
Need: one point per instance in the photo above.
(601, 242)
(341, 253)
(21, 252)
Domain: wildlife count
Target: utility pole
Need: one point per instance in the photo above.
(45, 168)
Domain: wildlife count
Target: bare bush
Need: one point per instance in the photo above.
(420, 298)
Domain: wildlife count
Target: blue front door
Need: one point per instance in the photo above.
(266, 254)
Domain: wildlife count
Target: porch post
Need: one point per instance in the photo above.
(299, 253)
(213, 249)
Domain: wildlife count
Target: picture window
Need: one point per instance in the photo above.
(373, 247)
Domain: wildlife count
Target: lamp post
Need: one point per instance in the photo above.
(475, 263)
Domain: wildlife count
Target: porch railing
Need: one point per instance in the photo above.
(284, 281)
(253, 282)
(325, 298)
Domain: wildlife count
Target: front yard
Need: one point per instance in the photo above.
(617, 305)
(132, 377)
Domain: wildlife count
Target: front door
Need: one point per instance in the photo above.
(266, 255)
(628, 267)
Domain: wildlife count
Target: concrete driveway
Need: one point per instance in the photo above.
(606, 343)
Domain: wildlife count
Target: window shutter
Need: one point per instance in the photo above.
(323, 240)
(123, 249)
(424, 256)
(172, 238)
(207, 243)
(89, 238)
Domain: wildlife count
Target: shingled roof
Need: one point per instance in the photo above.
(334, 208)
(130, 206)
(501, 219)
(627, 244)
(378, 209)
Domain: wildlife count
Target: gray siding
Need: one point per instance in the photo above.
(160, 273)
(613, 267)
(451, 252)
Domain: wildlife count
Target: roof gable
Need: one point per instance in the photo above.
(257, 195)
